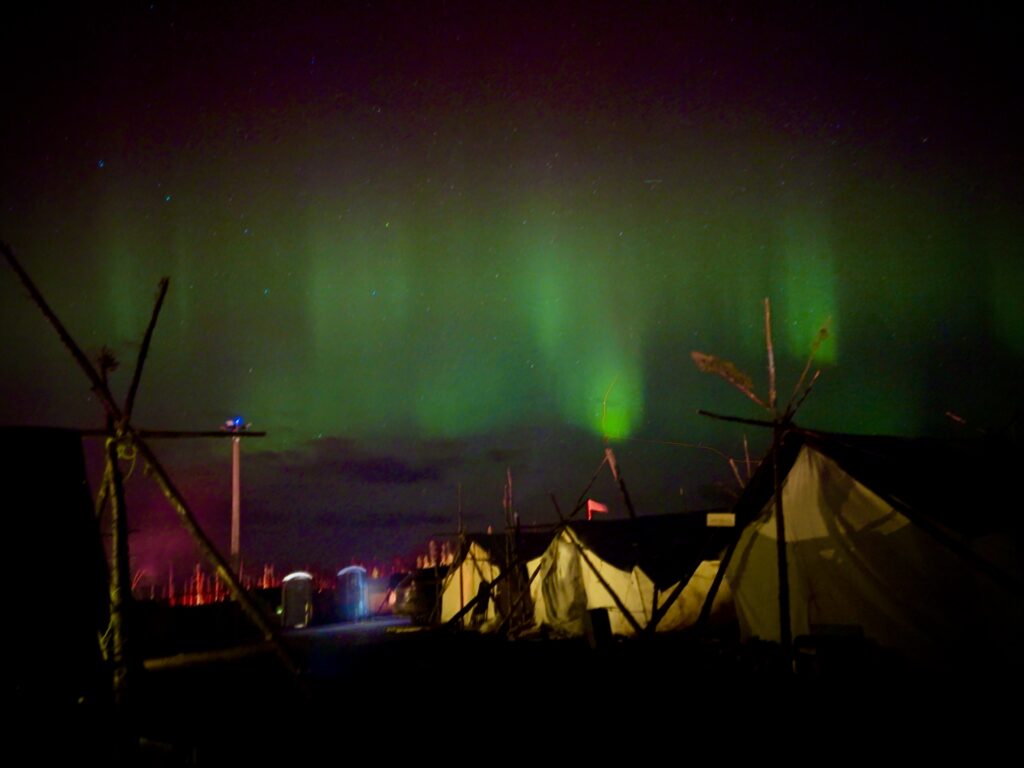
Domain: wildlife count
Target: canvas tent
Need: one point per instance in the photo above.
(59, 603)
(477, 593)
(907, 543)
(643, 573)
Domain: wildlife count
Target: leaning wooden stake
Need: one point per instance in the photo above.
(716, 583)
(610, 456)
(208, 549)
(129, 403)
(613, 464)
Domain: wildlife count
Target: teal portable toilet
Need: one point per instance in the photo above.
(352, 594)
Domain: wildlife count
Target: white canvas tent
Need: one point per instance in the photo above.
(474, 570)
(477, 593)
(905, 543)
(645, 573)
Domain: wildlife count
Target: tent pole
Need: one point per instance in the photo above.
(661, 610)
(120, 585)
(709, 599)
(462, 548)
(121, 652)
(785, 631)
(780, 523)
(613, 463)
(716, 583)
(454, 620)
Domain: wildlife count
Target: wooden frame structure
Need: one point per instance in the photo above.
(121, 435)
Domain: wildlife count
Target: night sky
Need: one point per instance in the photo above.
(420, 244)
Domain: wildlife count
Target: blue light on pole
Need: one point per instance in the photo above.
(236, 424)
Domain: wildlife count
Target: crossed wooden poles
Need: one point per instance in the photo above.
(120, 434)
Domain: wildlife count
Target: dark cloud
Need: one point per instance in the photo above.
(440, 522)
(343, 461)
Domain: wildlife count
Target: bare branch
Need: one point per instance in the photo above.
(107, 362)
(803, 397)
(728, 371)
(604, 408)
(735, 472)
(815, 345)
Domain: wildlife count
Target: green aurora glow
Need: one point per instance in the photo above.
(396, 242)
(389, 314)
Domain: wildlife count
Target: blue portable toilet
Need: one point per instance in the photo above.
(352, 594)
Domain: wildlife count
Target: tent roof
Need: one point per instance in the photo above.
(668, 548)
(529, 542)
(956, 483)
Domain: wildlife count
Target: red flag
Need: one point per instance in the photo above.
(595, 506)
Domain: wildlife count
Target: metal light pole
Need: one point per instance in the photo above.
(236, 425)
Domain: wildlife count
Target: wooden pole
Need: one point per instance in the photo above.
(122, 653)
(736, 419)
(770, 347)
(462, 548)
(129, 402)
(785, 638)
(120, 584)
(83, 362)
(780, 523)
(613, 463)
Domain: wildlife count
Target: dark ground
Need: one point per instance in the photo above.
(386, 690)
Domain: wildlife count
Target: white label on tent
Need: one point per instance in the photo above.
(721, 520)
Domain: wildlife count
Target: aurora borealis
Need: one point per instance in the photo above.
(419, 244)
